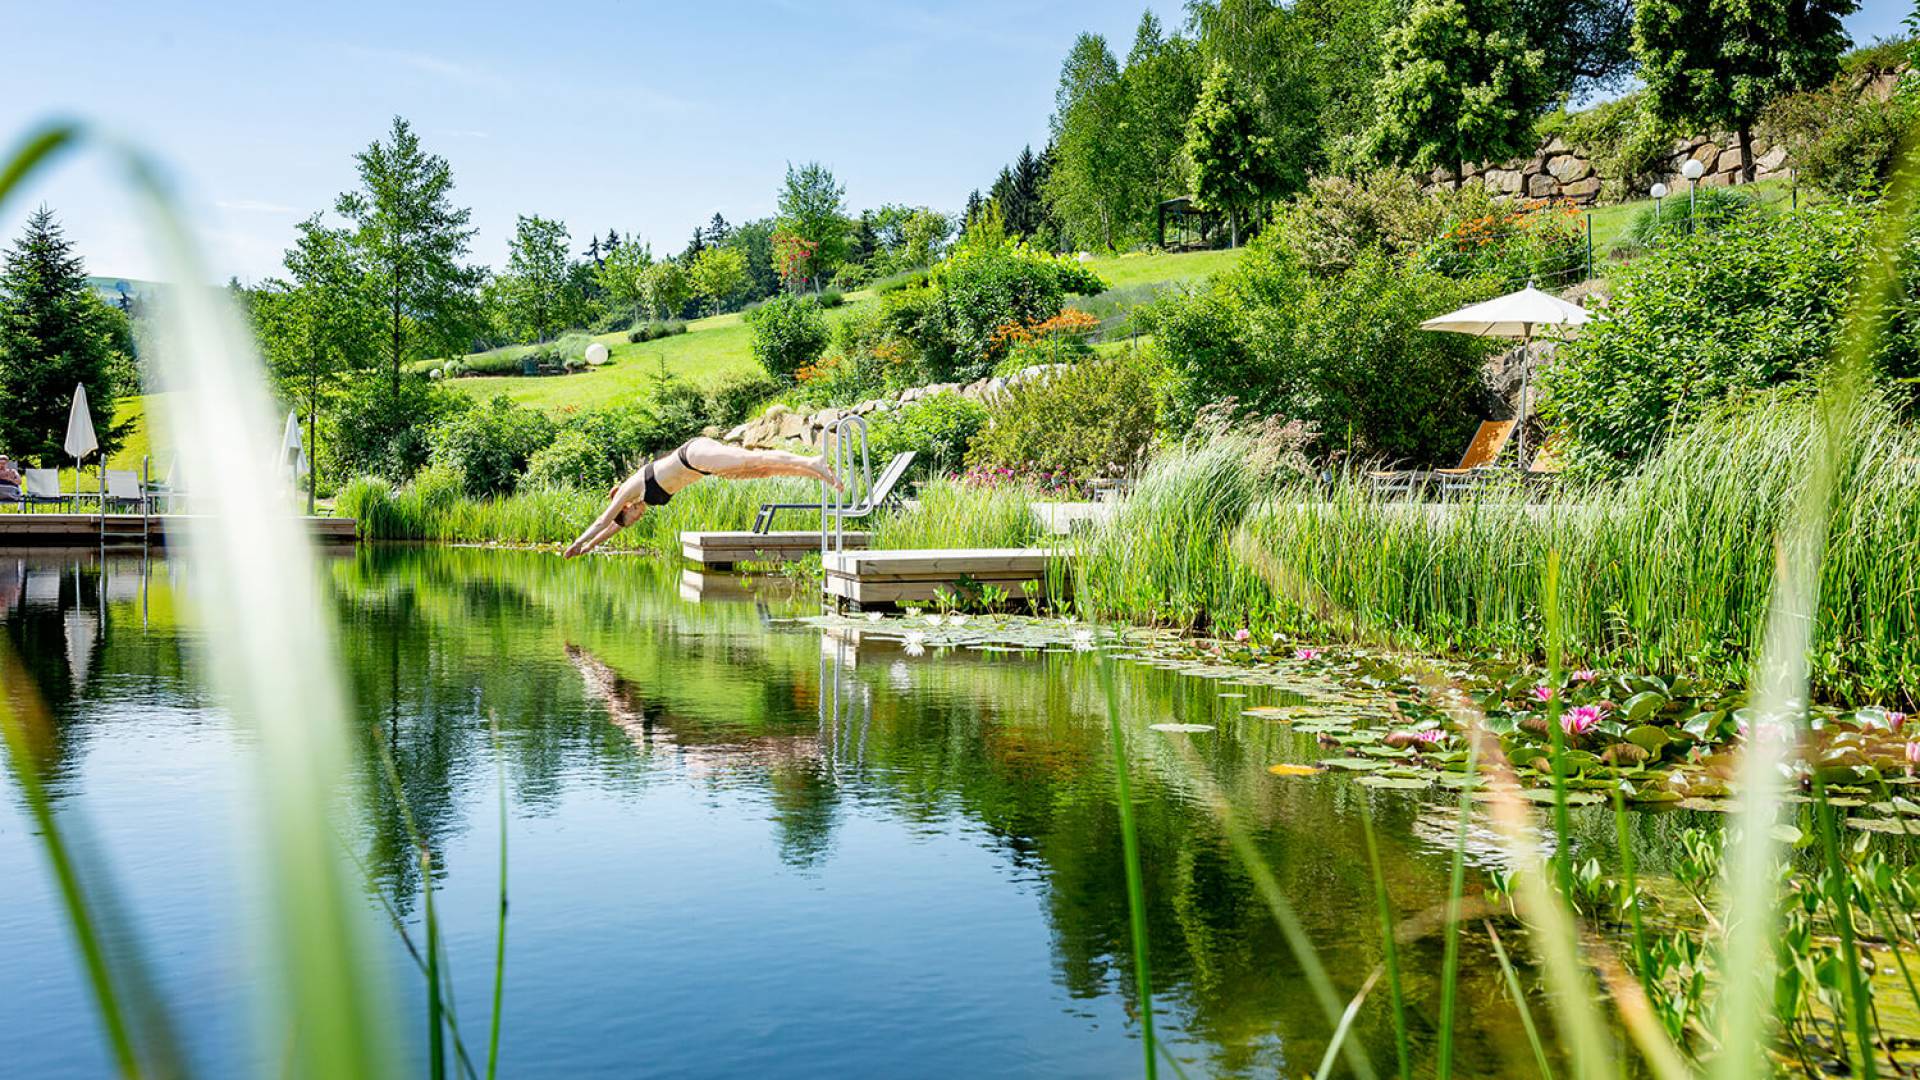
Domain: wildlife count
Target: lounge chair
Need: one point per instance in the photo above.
(43, 488)
(124, 490)
(882, 490)
(164, 492)
(1480, 455)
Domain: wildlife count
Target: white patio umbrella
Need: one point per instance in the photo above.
(293, 448)
(1515, 315)
(81, 440)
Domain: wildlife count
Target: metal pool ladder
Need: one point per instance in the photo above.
(845, 447)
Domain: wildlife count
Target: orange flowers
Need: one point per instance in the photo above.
(1071, 322)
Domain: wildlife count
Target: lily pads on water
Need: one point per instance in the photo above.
(1397, 783)
(1180, 727)
(1354, 764)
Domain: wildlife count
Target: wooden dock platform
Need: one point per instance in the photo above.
(722, 550)
(873, 578)
(86, 530)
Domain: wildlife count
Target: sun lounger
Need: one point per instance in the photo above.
(43, 488)
(883, 489)
(124, 490)
(1479, 457)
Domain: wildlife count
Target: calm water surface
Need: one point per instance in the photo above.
(738, 847)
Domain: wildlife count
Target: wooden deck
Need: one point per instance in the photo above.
(722, 550)
(874, 578)
(90, 529)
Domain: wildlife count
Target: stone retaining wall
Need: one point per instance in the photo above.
(1559, 172)
(779, 424)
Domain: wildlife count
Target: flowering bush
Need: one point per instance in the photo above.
(1539, 240)
(787, 334)
(1057, 340)
(1091, 420)
(992, 282)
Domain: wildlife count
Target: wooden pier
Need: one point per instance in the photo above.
(874, 578)
(722, 550)
(86, 530)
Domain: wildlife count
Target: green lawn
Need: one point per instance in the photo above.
(1610, 223)
(1120, 271)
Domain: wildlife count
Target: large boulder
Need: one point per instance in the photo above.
(1567, 168)
(1540, 185)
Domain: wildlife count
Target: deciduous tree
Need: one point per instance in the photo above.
(717, 274)
(1459, 83)
(1717, 62)
(812, 206)
(537, 274)
(1231, 160)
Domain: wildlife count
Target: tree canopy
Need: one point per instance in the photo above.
(1458, 83)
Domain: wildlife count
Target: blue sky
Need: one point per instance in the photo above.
(646, 117)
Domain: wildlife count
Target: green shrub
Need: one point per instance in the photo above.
(832, 298)
(1755, 304)
(656, 329)
(939, 429)
(1336, 218)
(1096, 418)
(1341, 352)
(737, 397)
(573, 460)
(906, 279)
(787, 334)
(990, 283)
(498, 362)
(1511, 242)
(376, 430)
(1711, 208)
(488, 446)
(1626, 143)
(1843, 142)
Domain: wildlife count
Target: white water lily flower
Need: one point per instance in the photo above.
(957, 619)
(933, 620)
(916, 643)
(1083, 641)
(873, 616)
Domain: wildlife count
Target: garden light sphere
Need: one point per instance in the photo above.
(1658, 191)
(1692, 169)
(596, 354)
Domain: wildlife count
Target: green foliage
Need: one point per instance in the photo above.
(1341, 352)
(572, 460)
(718, 273)
(1232, 160)
(1090, 149)
(56, 334)
(788, 333)
(1337, 217)
(1510, 243)
(812, 207)
(1458, 84)
(666, 288)
(488, 446)
(949, 513)
(1626, 141)
(654, 330)
(536, 277)
(1710, 209)
(1844, 142)
(1755, 304)
(990, 283)
(736, 398)
(939, 429)
(1095, 418)
(1719, 65)
(622, 277)
(411, 238)
(379, 428)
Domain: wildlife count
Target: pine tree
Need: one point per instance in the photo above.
(718, 230)
(611, 244)
(54, 334)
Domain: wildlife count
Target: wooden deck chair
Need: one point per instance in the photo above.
(42, 488)
(883, 488)
(1480, 454)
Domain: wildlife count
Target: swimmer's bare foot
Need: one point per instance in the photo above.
(821, 469)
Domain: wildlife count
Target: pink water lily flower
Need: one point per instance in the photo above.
(1543, 693)
(1242, 634)
(1581, 719)
(1583, 675)
(1431, 736)
(1913, 754)
(1896, 720)
(1306, 654)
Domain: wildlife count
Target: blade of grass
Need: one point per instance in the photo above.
(500, 939)
(1858, 998)
(1456, 885)
(1562, 826)
(1388, 944)
(1519, 995)
(1130, 853)
(1346, 1024)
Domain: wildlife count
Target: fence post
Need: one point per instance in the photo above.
(1589, 244)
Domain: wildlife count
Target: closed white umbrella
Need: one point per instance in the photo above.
(1515, 315)
(293, 447)
(81, 440)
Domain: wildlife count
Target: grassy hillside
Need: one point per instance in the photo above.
(716, 347)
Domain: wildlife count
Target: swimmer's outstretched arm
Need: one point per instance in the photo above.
(623, 509)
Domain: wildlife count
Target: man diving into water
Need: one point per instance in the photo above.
(660, 479)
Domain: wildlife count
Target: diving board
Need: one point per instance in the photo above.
(722, 550)
(911, 576)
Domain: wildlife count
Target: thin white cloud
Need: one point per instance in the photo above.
(439, 67)
(466, 133)
(255, 206)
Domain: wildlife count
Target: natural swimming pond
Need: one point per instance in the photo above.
(739, 845)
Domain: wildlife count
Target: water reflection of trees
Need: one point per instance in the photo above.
(437, 638)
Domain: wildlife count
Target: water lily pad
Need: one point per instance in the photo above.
(1180, 727)
(1649, 738)
(1397, 783)
(1644, 704)
(1884, 825)
(1354, 764)
(1574, 798)
(1287, 768)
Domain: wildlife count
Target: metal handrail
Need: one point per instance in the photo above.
(845, 446)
